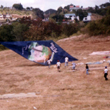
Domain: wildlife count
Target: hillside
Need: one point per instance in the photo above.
(50, 11)
(96, 17)
(25, 85)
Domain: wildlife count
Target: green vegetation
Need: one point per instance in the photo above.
(18, 6)
(100, 10)
(100, 27)
(29, 29)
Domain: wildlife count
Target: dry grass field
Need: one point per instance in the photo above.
(25, 85)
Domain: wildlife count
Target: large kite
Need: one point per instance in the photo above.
(39, 51)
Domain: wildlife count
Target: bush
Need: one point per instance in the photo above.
(100, 27)
(2, 47)
(6, 33)
(69, 29)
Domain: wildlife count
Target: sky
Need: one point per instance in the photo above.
(52, 4)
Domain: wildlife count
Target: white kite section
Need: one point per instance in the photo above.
(100, 53)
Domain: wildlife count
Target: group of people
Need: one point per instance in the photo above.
(105, 71)
(66, 64)
(58, 64)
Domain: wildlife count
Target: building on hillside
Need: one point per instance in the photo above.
(8, 16)
(87, 18)
(5, 16)
(92, 17)
(73, 7)
(71, 16)
(1, 17)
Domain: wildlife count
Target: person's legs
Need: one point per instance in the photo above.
(105, 75)
(73, 67)
(87, 71)
(58, 68)
(66, 63)
(49, 65)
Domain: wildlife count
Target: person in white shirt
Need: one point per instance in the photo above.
(105, 73)
(49, 63)
(66, 61)
(58, 65)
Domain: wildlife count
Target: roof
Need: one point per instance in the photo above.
(70, 14)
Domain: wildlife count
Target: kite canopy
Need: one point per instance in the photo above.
(39, 51)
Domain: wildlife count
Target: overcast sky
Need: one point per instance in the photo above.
(53, 4)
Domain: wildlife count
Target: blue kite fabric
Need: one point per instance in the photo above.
(39, 51)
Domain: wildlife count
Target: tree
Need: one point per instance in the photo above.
(108, 11)
(6, 33)
(105, 5)
(29, 8)
(19, 30)
(96, 8)
(18, 6)
(67, 7)
(69, 29)
(39, 13)
(81, 14)
(90, 9)
(59, 10)
(1, 6)
(58, 18)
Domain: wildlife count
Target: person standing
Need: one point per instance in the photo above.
(73, 65)
(58, 65)
(105, 73)
(49, 63)
(87, 69)
(66, 61)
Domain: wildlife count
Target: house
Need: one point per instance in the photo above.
(73, 7)
(5, 16)
(72, 16)
(1, 17)
(8, 16)
(87, 18)
(92, 17)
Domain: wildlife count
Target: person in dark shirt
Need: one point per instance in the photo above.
(87, 69)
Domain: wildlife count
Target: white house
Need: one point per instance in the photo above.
(87, 18)
(72, 16)
(1, 17)
(74, 8)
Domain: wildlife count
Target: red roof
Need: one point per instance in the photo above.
(77, 6)
(71, 6)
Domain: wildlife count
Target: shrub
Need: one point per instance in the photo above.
(98, 27)
(69, 29)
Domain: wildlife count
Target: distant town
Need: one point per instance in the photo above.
(68, 14)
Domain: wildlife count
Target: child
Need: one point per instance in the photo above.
(105, 73)
(87, 69)
(58, 65)
(73, 65)
(66, 61)
(49, 63)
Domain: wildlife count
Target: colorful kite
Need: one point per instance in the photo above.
(39, 51)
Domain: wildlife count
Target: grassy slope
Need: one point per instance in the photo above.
(14, 11)
(65, 90)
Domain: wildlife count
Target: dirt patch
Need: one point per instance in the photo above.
(20, 95)
(100, 53)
